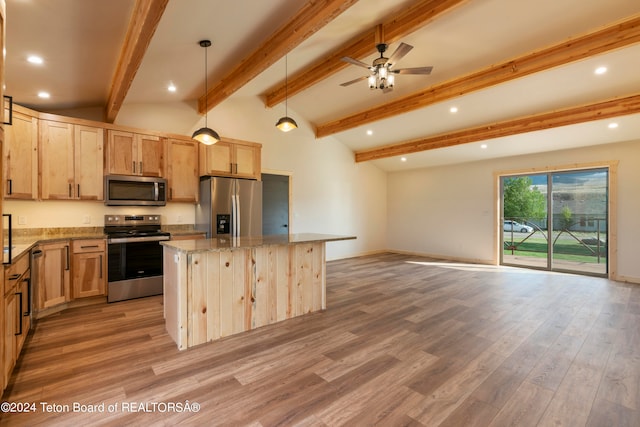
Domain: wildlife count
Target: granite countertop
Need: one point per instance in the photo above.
(24, 239)
(23, 244)
(223, 243)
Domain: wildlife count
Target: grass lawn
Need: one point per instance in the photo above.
(568, 249)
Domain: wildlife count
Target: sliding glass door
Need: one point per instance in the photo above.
(557, 221)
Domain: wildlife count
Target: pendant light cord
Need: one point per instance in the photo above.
(206, 94)
(286, 87)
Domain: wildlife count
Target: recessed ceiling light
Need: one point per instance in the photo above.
(35, 60)
(453, 109)
(612, 125)
(45, 95)
(483, 146)
(601, 70)
(369, 132)
(171, 87)
(403, 159)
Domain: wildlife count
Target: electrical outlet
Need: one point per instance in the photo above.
(22, 220)
(86, 219)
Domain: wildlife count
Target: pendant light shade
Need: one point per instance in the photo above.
(286, 123)
(206, 135)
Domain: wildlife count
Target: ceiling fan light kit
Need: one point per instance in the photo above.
(206, 135)
(382, 73)
(286, 123)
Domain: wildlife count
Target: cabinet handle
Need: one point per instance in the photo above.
(67, 248)
(171, 193)
(134, 167)
(140, 168)
(19, 317)
(78, 190)
(230, 167)
(10, 182)
(88, 246)
(28, 312)
(70, 189)
(100, 266)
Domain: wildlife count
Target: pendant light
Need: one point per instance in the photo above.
(286, 123)
(206, 135)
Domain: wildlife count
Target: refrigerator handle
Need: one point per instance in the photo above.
(237, 215)
(234, 210)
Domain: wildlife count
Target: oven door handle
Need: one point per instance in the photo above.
(138, 239)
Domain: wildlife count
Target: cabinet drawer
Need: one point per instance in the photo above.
(88, 245)
(14, 271)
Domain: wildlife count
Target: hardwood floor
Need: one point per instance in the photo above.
(404, 341)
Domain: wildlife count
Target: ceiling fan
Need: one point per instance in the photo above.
(382, 72)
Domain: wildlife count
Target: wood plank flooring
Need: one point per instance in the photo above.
(405, 341)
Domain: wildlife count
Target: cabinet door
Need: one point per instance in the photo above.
(216, 159)
(89, 274)
(182, 170)
(21, 158)
(89, 163)
(53, 279)
(120, 149)
(89, 268)
(56, 160)
(247, 161)
(9, 336)
(150, 156)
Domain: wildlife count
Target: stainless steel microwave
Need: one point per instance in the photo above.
(122, 190)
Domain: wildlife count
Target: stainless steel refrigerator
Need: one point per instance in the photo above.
(229, 207)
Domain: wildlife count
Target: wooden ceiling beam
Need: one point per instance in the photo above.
(391, 30)
(144, 21)
(314, 15)
(601, 110)
(607, 39)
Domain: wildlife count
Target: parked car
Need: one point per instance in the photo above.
(510, 225)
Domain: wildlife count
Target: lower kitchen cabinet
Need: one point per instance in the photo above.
(89, 268)
(53, 284)
(17, 313)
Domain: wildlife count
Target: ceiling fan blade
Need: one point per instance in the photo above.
(417, 70)
(350, 82)
(401, 51)
(355, 62)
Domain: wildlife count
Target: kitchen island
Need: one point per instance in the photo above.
(223, 286)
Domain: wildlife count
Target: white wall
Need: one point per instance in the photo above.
(449, 211)
(331, 193)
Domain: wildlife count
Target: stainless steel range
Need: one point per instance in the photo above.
(134, 256)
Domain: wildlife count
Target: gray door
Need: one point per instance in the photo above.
(275, 204)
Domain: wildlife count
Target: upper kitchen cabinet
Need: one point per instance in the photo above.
(89, 162)
(182, 170)
(20, 157)
(71, 161)
(231, 157)
(56, 160)
(131, 153)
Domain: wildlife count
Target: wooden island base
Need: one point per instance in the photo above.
(219, 287)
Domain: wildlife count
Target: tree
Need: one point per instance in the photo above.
(566, 218)
(522, 200)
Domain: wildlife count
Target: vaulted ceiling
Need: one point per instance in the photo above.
(520, 73)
